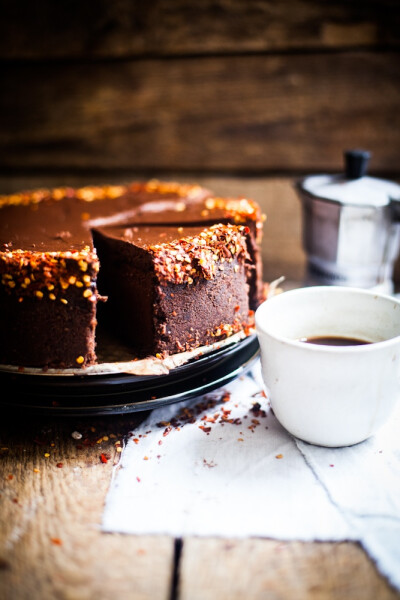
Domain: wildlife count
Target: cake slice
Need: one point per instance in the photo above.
(208, 210)
(171, 289)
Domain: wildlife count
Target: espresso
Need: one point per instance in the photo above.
(331, 340)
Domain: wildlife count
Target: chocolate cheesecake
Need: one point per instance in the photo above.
(167, 266)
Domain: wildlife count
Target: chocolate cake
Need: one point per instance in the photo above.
(167, 266)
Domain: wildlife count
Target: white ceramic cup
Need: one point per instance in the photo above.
(328, 395)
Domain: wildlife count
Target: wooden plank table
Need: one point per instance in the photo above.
(52, 495)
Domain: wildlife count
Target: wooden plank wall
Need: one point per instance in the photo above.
(242, 95)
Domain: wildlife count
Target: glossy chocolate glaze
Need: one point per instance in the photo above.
(144, 236)
(49, 222)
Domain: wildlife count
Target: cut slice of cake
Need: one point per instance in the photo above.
(171, 289)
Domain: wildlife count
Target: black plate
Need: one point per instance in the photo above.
(123, 393)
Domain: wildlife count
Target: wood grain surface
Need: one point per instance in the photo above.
(52, 493)
(73, 29)
(276, 570)
(52, 546)
(248, 114)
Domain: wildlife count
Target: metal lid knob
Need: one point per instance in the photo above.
(356, 163)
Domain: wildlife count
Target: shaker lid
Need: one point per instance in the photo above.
(353, 186)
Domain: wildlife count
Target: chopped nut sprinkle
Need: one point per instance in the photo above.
(187, 259)
(28, 273)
